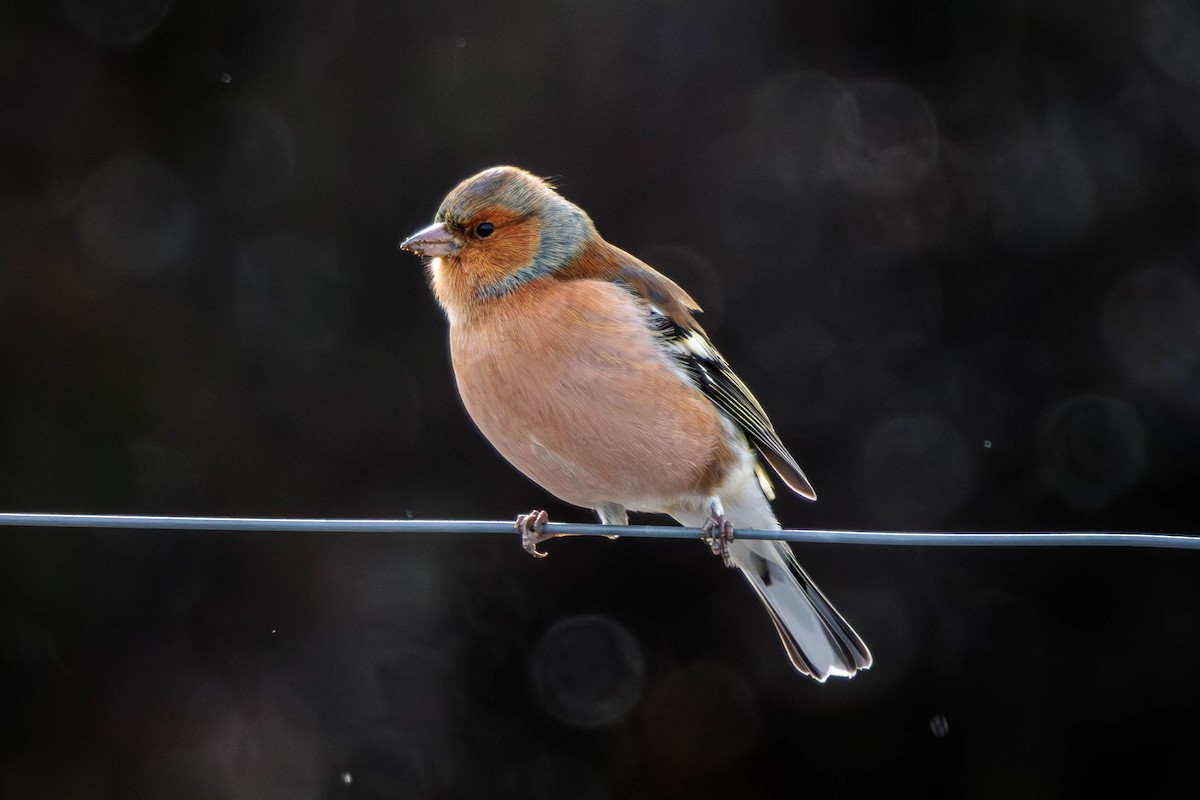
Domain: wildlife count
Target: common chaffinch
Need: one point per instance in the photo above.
(587, 370)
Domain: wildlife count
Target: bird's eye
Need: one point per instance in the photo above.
(484, 229)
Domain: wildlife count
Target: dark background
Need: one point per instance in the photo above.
(951, 245)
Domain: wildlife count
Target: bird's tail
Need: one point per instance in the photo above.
(817, 638)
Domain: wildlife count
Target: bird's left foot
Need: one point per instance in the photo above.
(718, 532)
(532, 527)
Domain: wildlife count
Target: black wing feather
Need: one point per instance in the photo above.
(712, 375)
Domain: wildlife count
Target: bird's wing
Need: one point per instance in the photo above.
(671, 310)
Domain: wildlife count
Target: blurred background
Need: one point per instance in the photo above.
(951, 246)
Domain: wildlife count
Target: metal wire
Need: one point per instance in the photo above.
(426, 526)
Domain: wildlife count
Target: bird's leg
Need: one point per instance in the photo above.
(532, 527)
(612, 514)
(718, 531)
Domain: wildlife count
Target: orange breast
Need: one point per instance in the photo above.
(567, 383)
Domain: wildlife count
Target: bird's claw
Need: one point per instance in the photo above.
(718, 532)
(532, 527)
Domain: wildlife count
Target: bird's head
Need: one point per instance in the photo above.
(496, 231)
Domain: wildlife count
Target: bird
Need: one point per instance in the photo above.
(588, 371)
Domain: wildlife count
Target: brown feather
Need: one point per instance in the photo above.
(525, 211)
(600, 260)
(550, 375)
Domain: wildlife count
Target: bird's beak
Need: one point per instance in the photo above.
(435, 241)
